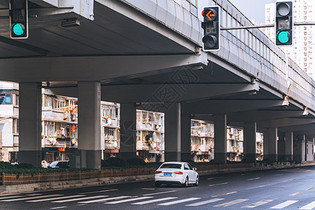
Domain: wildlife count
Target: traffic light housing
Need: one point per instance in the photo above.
(18, 12)
(284, 23)
(211, 26)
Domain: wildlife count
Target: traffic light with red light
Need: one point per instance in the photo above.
(18, 12)
(211, 26)
(284, 23)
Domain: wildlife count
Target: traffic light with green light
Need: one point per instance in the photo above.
(18, 12)
(284, 23)
(211, 26)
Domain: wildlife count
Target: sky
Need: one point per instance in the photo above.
(253, 9)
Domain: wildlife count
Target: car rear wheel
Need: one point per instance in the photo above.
(197, 181)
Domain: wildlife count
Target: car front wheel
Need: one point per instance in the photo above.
(197, 181)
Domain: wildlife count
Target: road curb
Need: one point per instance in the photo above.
(46, 186)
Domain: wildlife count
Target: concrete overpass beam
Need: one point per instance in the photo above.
(250, 129)
(128, 130)
(173, 133)
(89, 148)
(220, 138)
(30, 114)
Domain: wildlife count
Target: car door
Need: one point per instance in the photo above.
(188, 171)
(193, 173)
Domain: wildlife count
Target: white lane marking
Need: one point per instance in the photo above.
(52, 199)
(205, 202)
(259, 203)
(29, 198)
(59, 207)
(129, 200)
(310, 188)
(212, 185)
(293, 194)
(253, 178)
(104, 199)
(18, 196)
(178, 201)
(284, 204)
(309, 206)
(158, 193)
(229, 193)
(148, 188)
(108, 190)
(80, 199)
(231, 203)
(218, 177)
(154, 200)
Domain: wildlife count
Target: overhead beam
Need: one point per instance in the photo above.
(287, 122)
(262, 115)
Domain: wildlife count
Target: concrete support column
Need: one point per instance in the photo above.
(128, 131)
(299, 148)
(288, 146)
(185, 137)
(271, 152)
(250, 129)
(30, 117)
(281, 146)
(173, 133)
(89, 125)
(220, 138)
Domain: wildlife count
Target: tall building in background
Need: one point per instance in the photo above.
(303, 48)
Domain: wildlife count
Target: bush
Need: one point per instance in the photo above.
(115, 161)
(5, 165)
(136, 162)
(25, 165)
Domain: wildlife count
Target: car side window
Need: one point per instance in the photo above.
(190, 168)
(186, 167)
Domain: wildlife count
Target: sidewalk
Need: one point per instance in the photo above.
(45, 186)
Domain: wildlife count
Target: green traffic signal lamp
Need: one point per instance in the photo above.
(283, 36)
(17, 29)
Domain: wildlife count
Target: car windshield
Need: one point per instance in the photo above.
(171, 165)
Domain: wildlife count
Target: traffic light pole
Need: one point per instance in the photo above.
(269, 25)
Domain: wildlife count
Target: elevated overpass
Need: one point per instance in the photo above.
(147, 55)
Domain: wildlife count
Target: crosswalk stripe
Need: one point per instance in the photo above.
(309, 206)
(231, 203)
(259, 203)
(52, 199)
(128, 200)
(99, 191)
(59, 207)
(104, 199)
(18, 196)
(158, 193)
(178, 201)
(80, 199)
(154, 200)
(205, 202)
(29, 198)
(284, 204)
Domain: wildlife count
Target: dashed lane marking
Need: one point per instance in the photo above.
(99, 191)
(148, 188)
(129, 200)
(259, 203)
(253, 178)
(229, 193)
(213, 185)
(59, 207)
(178, 201)
(159, 193)
(154, 200)
(284, 204)
(206, 202)
(294, 194)
(310, 188)
(231, 203)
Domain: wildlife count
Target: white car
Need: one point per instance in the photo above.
(176, 173)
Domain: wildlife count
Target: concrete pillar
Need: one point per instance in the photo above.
(288, 146)
(271, 152)
(299, 148)
(128, 131)
(173, 133)
(89, 147)
(281, 146)
(30, 117)
(220, 138)
(250, 129)
(185, 137)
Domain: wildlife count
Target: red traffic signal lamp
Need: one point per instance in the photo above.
(211, 26)
(18, 13)
(284, 23)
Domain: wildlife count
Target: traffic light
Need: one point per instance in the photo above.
(211, 26)
(284, 23)
(18, 11)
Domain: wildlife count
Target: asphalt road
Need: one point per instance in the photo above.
(276, 189)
